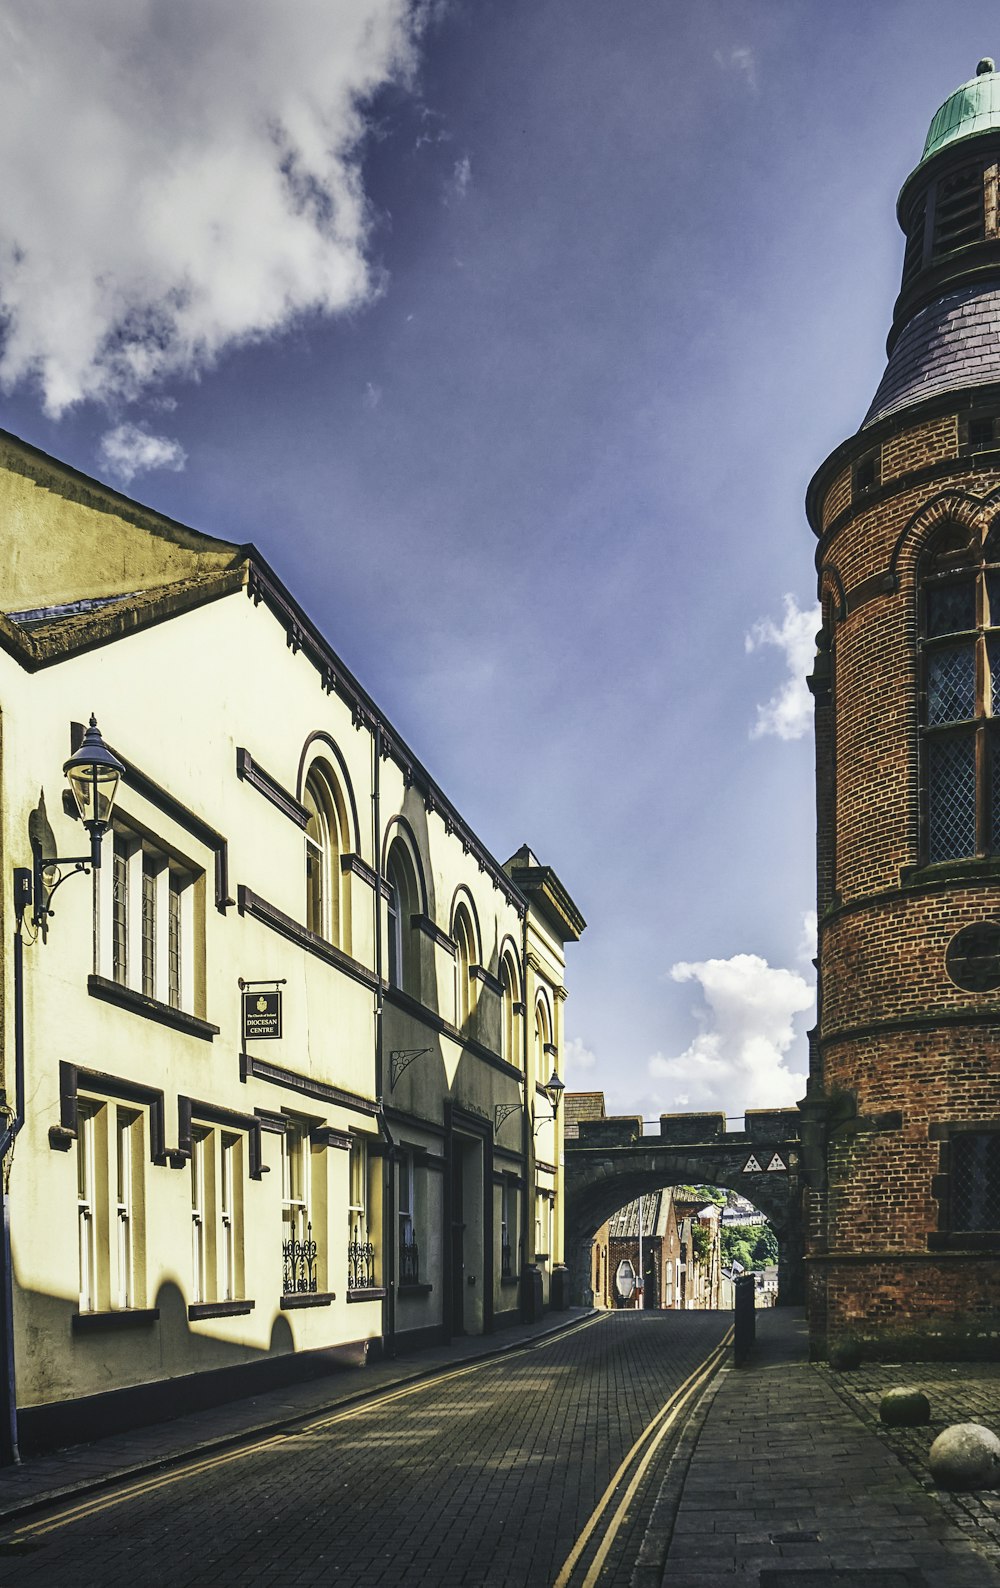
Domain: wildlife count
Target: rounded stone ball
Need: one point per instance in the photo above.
(965, 1456)
(905, 1408)
(845, 1354)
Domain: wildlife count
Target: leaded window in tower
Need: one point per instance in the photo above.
(961, 705)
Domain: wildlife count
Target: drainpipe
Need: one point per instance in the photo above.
(388, 1221)
(8, 1384)
(527, 1138)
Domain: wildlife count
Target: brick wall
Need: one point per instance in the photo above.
(900, 1048)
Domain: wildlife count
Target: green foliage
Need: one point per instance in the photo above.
(765, 1249)
(753, 1245)
(702, 1194)
(701, 1240)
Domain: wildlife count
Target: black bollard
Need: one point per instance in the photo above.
(744, 1318)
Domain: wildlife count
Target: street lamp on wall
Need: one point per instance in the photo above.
(553, 1090)
(93, 774)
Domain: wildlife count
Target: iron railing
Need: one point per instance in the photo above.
(360, 1259)
(299, 1264)
(409, 1260)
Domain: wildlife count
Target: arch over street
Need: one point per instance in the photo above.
(612, 1162)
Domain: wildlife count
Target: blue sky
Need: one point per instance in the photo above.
(511, 333)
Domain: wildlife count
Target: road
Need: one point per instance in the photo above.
(484, 1477)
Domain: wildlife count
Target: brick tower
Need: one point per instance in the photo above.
(901, 1125)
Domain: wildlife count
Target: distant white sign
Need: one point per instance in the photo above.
(752, 1166)
(777, 1164)
(625, 1280)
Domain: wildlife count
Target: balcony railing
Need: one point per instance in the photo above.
(360, 1258)
(299, 1264)
(409, 1260)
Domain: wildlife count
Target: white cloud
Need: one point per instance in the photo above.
(372, 396)
(129, 449)
(180, 179)
(788, 714)
(461, 178)
(740, 58)
(740, 1057)
(809, 943)
(577, 1058)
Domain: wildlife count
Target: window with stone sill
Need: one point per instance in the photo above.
(301, 1207)
(362, 1265)
(327, 895)
(110, 1163)
(217, 1178)
(409, 1239)
(149, 921)
(960, 729)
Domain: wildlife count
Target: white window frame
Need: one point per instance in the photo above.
(200, 1140)
(125, 1122)
(145, 921)
(87, 1204)
(295, 1180)
(229, 1149)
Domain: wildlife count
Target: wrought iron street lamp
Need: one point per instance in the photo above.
(554, 1090)
(93, 774)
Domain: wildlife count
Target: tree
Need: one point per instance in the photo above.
(753, 1245)
(765, 1248)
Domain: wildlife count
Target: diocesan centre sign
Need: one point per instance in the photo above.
(261, 1015)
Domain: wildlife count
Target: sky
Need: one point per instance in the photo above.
(511, 332)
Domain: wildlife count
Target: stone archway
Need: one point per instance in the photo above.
(613, 1162)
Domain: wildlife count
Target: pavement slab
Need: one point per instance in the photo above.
(785, 1478)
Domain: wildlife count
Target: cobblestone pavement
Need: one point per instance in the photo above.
(969, 1393)
(782, 1478)
(485, 1477)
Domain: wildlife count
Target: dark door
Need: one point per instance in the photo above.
(651, 1288)
(457, 1237)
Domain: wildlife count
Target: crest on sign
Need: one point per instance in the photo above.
(752, 1166)
(777, 1164)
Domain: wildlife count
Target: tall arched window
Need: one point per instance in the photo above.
(464, 959)
(960, 590)
(403, 964)
(543, 1036)
(324, 841)
(510, 1047)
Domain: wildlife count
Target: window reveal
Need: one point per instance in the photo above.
(298, 1248)
(147, 905)
(975, 1180)
(109, 1159)
(961, 658)
(409, 1251)
(360, 1247)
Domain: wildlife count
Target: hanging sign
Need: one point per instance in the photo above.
(752, 1166)
(261, 1015)
(777, 1164)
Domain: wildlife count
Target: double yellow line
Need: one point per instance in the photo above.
(178, 1474)
(652, 1437)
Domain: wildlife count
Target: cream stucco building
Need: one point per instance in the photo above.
(193, 1213)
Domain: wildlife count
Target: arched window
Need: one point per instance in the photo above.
(510, 1047)
(403, 968)
(324, 840)
(543, 1036)
(960, 590)
(464, 959)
